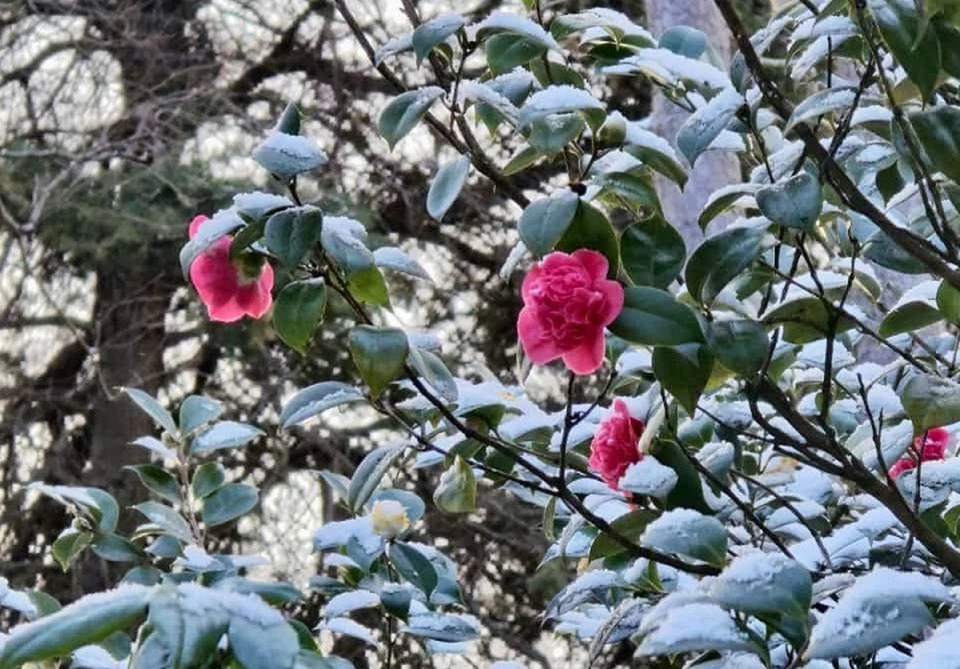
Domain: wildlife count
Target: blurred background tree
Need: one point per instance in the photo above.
(122, 119)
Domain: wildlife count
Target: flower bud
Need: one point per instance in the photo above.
(389, 518)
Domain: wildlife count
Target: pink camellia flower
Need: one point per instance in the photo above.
(568, 301)
(614, 445)
(934, 447)
(230, 288)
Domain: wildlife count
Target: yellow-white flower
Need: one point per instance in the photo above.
(389, 518)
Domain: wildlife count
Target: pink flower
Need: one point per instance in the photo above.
(568, 301)
(934, 447)
(614, 446)
(231, 289)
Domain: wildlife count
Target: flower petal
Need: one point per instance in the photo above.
(613, 291)
(539, 348)
(595, 263)
(586, 358)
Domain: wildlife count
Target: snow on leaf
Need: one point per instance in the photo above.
(649, 477)
(444, 627)
(337, 533)
(393, 47)
(556, 100)
(474, 91)
(671, 69)
(350, 628)
(761, 582)
(258, 203)
(593, 585)
(499, 22)
(940, 650)
(346, 602)
(289, 155)
(694, 627)
(390, 257)
(879, 609)
(689, 533)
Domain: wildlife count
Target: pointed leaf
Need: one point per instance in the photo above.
(298, 311)
(446, 186)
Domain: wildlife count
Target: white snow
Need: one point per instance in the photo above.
(350, 628)
(672, 68)
(694, 627)
(940, 650)
(396, 259)
(649, 477)
(474, 91)
(346, 602)
(556, 100)
(518, 25)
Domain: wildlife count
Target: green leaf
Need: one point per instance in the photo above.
(379, 353)
(314, 400)
(630, 525)
(828, 101)
(555, 100)
(505, 51)
(225, 434)
(150, 406)
(434, 371)
(948, 301)
(69, 545)
(740, 346)
(805, 319)
(746, 585)
(208, 478)
(551, 72)
(368, 286)
(457, 490)
(289, 122)
(263, 641)
(413, 566)
(720, 259)
(652, 252)
(285, 156)
(634, 187)
(685, 41)
(653, 317)
(396, 601)
(651, 156)
(90, 619)
(684, 371)
(290, 233)
(524, 158)
(196, 411)
(369, 473)
(794, 202)
(552, 135)
(158, 481)
(939, 132)
(228, 502)
(431, 33)
(910, 314)
(910, 39)
(544, 222)
(298, 311)
(166, 518)
(591, 229)
(689, 533)
(688, 492)
(446, 186)
(188, 633)
(700, 130)
(114, 548)
(343, 239)
(440, 627)
(722, 199)
(95, 504)
(931, 401)
(405, 111)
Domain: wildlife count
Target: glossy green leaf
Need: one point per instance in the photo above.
(948, 302)
(208, 478)
(158, 481)
(911, 40)
(794, 202)
(741, 346)
(590, 229)
(290, 233)
(413, 566)
(196, 411)
(457, 490)
(653, 317)
(505, 51)
(688, 533)
(228, 502)
(69, 545)
(829, 101)
(931, 401)
(700, 130)
(939, 132)
(314, 400)
(289, 122)
(225, 434)
(431, 33)
(298, 310)
(446, 186)
(553, 134)
(114, 548)
(405, 111)
(683, 371)
(150, 406)
(369, 473)
(433, 370)
(90, 619)
(166, 518)
(652, 252)
(379, 353)
(720, 259)
(285, 156)
(630, 525)
(544, 222)
(684, 40)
